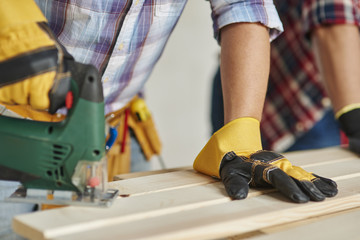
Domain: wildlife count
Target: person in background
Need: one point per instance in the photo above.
(333, 27)
(297, 113)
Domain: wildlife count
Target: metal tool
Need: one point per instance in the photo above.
(60, 163)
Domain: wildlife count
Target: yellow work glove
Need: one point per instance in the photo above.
(34, 67)
(234, 154)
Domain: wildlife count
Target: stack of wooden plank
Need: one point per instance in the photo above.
(184, 204)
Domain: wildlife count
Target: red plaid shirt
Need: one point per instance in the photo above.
(296, 98)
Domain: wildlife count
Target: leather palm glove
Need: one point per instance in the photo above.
(234, 154)
(349, 119)
(34, 67)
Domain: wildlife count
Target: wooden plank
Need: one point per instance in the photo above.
(160, 182)
(344, 225)
(276, 232)
(161, 207)
(304, 158)
(309, 157)
(217, 220)
(124, 210)
(311, 160)
(147, 173)
(342, 168)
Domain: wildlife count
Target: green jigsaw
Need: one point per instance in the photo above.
(60, 163)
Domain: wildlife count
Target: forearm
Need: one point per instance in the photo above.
(337, 51)
(232, 153)
(245, 61)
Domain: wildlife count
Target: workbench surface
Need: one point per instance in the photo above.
(183, 204)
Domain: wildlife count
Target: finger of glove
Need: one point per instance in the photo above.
(235, 177)
(311, 190)
(236, 186)
(327, 186)
(286, 185)
(14, 94)
(39, 90)
(354, 144)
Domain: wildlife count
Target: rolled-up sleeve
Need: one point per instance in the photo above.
(225, 12)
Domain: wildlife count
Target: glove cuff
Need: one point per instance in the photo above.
(349, 122)
(241, 136)
(346, 109)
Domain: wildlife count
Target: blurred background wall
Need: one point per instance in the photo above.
(178, 92)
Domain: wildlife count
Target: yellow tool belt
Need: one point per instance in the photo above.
(136, 117)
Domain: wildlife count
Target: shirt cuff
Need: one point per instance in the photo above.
(255, 11)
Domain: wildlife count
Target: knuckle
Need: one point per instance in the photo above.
(265, 156)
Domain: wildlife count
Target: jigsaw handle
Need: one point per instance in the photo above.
(88, 82)
(50, 151)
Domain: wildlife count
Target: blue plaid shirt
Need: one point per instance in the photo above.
(125, 38)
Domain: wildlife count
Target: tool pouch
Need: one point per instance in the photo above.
(145, 133)
(147, 136)
(119, 162)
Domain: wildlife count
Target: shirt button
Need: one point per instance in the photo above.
(106, 79)
(121, 46)
(299, 127)
(326, 102)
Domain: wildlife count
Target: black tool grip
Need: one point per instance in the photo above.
(57, 94)
(88, 80)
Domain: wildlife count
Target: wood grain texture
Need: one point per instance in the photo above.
(147, 173)
(160, 182)
(311, 228)
(344, 225)
(187, 205)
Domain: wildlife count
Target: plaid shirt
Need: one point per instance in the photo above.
(125, 38)
(296, 98)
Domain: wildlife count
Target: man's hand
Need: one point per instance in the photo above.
(34, 66)
(349, 123)
(234, 154)
(266, 168)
